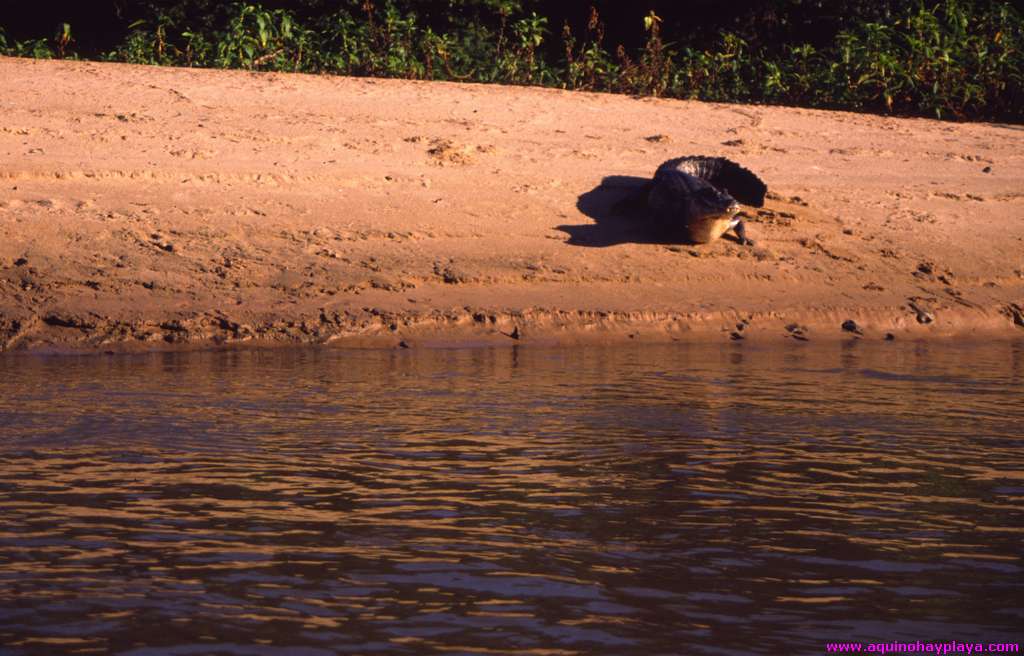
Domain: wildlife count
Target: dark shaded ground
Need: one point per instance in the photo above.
(617, 205)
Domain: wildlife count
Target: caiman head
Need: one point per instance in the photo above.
(710, 204)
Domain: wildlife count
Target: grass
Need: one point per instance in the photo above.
(958, 59)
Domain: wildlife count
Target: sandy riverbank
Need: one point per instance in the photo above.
(158, 208)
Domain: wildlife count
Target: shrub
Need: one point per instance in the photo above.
(957, 59)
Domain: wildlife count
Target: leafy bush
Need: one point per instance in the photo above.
(957, 59)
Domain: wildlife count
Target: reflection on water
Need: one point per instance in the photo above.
(648, 500)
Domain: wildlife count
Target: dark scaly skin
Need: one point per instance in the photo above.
(697, 192)
(693, 194)
(681, 201)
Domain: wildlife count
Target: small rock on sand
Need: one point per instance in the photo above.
(851, 326)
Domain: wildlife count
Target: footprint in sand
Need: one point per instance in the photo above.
(445, 151)
(928, 270)
(161, 242)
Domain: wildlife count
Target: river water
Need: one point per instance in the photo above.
(632, 500)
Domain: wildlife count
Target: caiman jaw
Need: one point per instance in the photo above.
(725, 215)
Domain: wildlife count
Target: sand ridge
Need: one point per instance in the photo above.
(145, 207)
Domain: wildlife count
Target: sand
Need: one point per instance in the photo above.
(156, 208)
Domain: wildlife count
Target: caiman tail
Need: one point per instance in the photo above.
(723, 174)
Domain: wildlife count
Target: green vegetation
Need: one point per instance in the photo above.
(958, 59)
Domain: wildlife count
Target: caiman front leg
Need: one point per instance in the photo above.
(741, 231)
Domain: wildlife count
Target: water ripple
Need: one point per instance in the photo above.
(632, 501)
